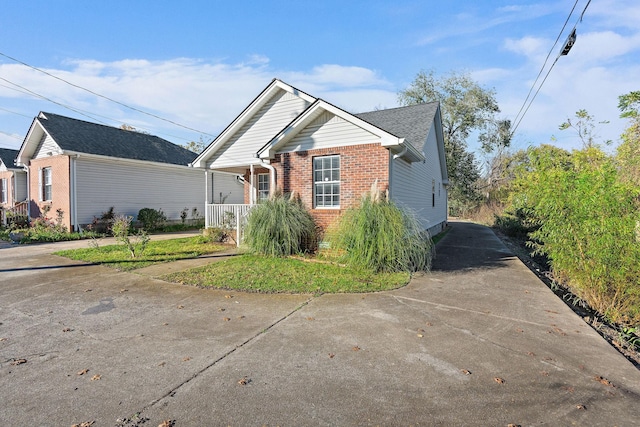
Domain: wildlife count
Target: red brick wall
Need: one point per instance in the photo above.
(60, 193)
(360, 166)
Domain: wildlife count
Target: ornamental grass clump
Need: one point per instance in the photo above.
(280, 226)
(380, 236)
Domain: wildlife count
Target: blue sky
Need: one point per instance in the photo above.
(199, 63)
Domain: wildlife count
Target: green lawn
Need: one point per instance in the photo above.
(253, 273)
(118, 256)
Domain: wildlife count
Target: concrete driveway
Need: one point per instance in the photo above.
(478, 341)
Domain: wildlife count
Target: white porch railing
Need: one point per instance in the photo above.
(234, 216)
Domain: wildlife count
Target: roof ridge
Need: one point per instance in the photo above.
(422, 104)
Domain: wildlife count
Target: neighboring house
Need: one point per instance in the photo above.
(300, 144)
(81, 169)
(13, 184)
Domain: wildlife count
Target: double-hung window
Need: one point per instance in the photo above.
(4, 191)
(263, 186)
(46, 184)
(326, 181)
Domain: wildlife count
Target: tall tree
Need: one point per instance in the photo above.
(628, 154)
(466, 108)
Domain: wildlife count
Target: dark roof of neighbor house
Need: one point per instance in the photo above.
(7, 156)
(412, 122)
(92, 138)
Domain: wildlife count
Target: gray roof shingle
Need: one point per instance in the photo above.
(91, 138)
(412, 122)
(7, 156)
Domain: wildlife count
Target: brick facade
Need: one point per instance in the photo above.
(360, 166)
(60, 188)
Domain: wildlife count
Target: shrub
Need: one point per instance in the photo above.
(151, 219)
(378, 235)
(121, 229)
(280, 226)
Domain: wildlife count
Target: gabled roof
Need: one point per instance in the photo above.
(246, 115)
(412, 122)
(7, 157)
(78, 136)
(314, 110)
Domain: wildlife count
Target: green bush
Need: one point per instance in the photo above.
(588, 226)
(151, 219)
(380, 236)
(280, 226)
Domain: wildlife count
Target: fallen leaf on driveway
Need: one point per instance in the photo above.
(180, 307)
(584, 408)
(3, 339)
(356, 348)
(465, 371)
(228, 296)
(88, 290)
(18, 362)
(166, 423)
(331, 355)
(604, 381)
(84, 424)
(186, 359)
(499, 380)
(244, 381)
(96, 377)
(226, 319)
(123, 290)
(420, 335)
(67, 330)
(84, 371)
(310, 318)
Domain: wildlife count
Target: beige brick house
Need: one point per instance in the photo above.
(290, 140)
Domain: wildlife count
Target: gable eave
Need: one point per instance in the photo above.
(31, 142)
(387, 140)
(245, 116)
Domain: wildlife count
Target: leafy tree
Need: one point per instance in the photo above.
(466, 108)
(196, 147)
(584, 125)
(628, 154)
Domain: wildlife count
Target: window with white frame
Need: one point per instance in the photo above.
(326, 181)
(4, 191)
(263, 186)
(46, 183)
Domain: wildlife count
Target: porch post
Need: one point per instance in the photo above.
(207, 196)
(252, 197)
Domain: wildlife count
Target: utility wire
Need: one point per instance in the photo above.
(551, 68)
(545, 63)
(85, 113)
(104, 97)
(13, 112)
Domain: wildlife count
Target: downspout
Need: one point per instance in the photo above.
(272, 176)
(207, 195)
(402, 153)
(252, 191)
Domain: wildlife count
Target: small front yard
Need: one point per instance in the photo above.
(256, 273)
(156, 252)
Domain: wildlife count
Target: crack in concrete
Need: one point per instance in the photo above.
(175, 389)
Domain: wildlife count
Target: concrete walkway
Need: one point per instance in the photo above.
(478, 341)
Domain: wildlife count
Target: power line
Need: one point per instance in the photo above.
(84, 113)
(564, 51)
(103, 96)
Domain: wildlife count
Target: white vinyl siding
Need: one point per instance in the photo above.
(326, 181)
(328, 131)
(4, 191)
(130, 186)
(226, 189)
(46, 148)
(240, 149)
(415, 185)
(20, 182)
(263, 186)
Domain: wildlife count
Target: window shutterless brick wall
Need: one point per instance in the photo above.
(360, 166)
(60, 184)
